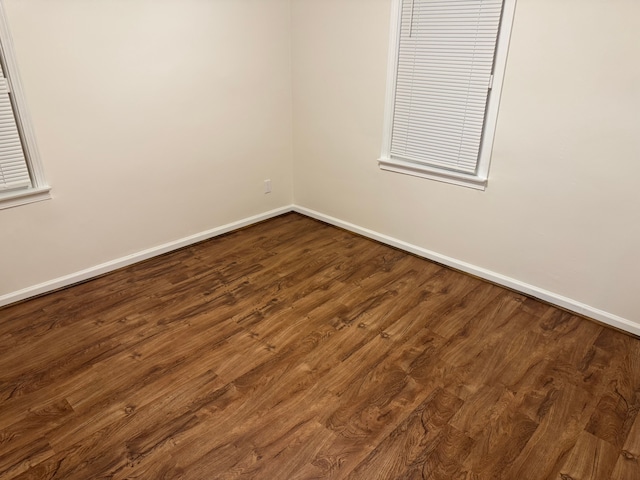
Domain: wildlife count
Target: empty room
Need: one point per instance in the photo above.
(308, 239)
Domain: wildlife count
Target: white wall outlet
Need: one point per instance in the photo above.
(267, 186)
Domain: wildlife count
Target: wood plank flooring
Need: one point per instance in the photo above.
(295, 350)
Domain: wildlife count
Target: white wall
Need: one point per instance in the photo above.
(562, 209)
(160, 119)
(155, 120)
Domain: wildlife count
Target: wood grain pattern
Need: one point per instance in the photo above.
(295, 350)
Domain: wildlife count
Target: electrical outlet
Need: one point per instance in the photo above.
(267, 186)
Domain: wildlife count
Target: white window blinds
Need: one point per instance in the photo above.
(444, 73)
(14, 172)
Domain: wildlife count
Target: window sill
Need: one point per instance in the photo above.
(440, 175)
(23, 197)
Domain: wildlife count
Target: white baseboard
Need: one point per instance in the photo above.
(550, 297)
(553, 298)
(112, 265)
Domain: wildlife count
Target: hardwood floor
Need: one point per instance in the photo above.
(295, 350)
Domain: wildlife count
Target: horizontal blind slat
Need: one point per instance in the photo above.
(452, 158)
(438, 148)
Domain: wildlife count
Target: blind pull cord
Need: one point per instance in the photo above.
(413, 6)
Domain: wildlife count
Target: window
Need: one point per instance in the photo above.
(21, 175)
(446, 65)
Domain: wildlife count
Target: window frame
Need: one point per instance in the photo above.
(40, 189)
(478, 180)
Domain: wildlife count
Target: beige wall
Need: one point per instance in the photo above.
(562, 209)
(155, 120)
(160, 119)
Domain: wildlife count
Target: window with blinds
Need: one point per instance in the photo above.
(21, 174)
(446, 61)
(14, 172)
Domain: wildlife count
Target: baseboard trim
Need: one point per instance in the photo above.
(545, 295)
(112, 265)
(550, 297)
